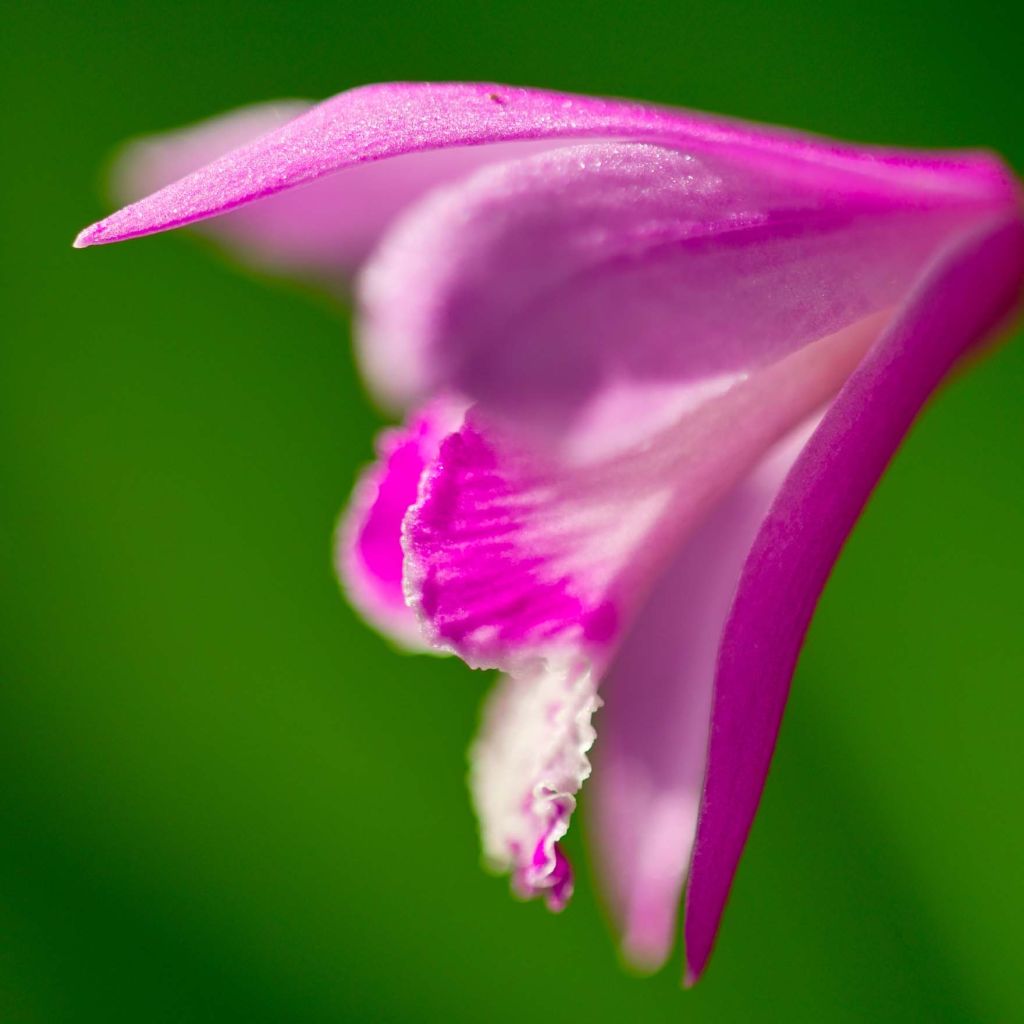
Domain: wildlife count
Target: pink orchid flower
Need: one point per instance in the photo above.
(655, 363)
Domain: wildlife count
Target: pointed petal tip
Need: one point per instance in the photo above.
(642, 959)
(693, 970)
(112, 229)
(96, 234)
(86, 237)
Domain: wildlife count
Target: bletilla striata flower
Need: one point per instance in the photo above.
(653, 364)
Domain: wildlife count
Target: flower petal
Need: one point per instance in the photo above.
(513, 553)
(369, 540)
(525, 770)
(650, 765)
(150, 163)
(324, 229)
(392, 120)
(538, 285)
(967, 296)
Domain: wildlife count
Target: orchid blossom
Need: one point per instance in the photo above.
(653, 364)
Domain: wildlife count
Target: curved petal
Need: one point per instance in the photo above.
(654, 728)
(538, 284)
(369, 537)
(967, 295)
(526, 767)
(324, 229)
(392, 120)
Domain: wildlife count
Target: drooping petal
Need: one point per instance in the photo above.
(379, 122)
(539, 285)
(965, 298)
(525, 770)
(657, 691)
(369, 541)
(512, 555)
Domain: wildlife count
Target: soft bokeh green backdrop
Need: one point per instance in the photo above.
(222, 797)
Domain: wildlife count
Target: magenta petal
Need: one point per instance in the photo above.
(481, 582)
(324, 229)
(382, 121)
(965, 298)
(369, 548)
(319, 230)
(515, 552)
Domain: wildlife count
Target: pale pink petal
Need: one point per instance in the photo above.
(149, 163)
(369, 543)
(513, 554)
(324, 229)
(391, 120)
(963, 300)
(538, 286)
(650, 762)
(525, 770)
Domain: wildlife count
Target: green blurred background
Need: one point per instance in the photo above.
(225, 799)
